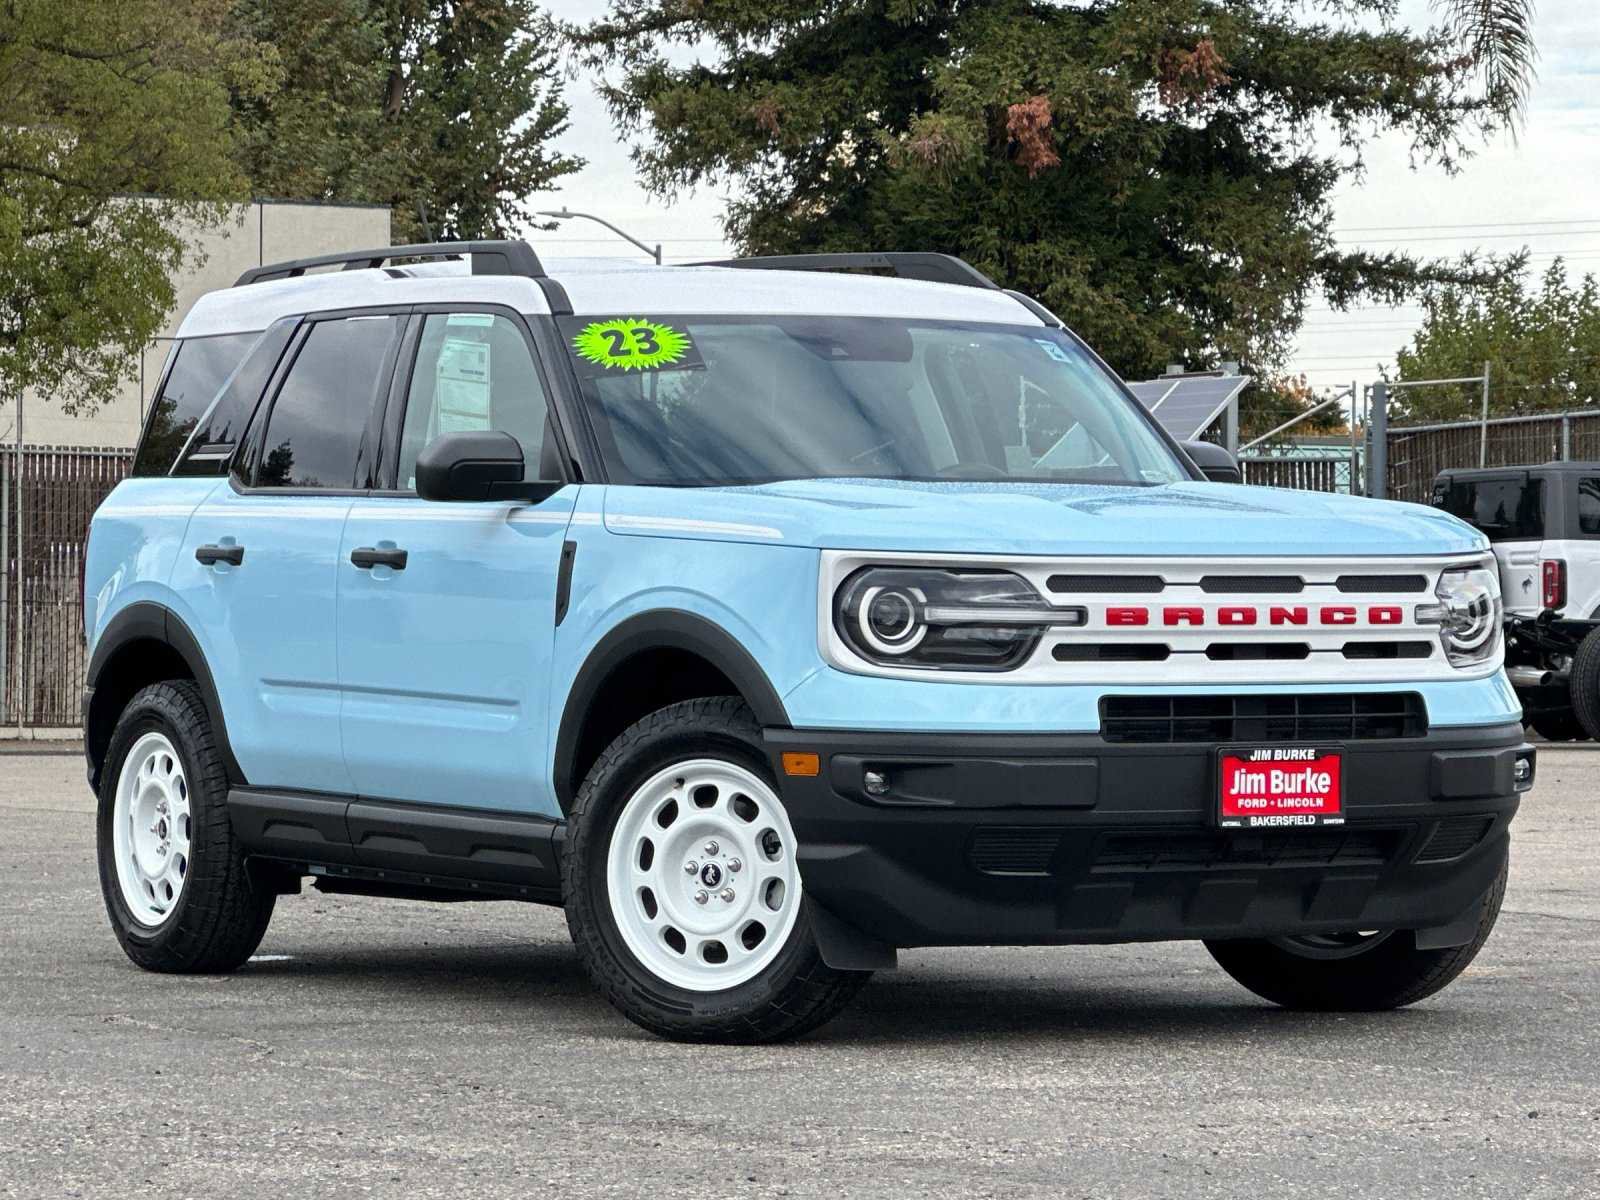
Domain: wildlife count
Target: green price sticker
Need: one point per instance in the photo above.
(632, 344)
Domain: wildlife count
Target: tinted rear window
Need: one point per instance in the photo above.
(1505, 509)
(314, 432)
(222, 425)
(199, 369)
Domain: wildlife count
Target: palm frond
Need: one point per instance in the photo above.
(1499, 36)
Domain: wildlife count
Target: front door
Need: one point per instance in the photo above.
(446, 610)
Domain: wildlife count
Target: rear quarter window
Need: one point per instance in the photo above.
(1508, 509)
(200, 366)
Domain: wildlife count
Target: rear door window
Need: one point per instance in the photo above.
(1589, 506)
(200, 366)
(315, 431)
(1506, 509)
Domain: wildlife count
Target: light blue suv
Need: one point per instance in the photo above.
(770, 616)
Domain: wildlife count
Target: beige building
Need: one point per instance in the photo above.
(265, 231)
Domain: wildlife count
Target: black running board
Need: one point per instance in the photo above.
(386, 847)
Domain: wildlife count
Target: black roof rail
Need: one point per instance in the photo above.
(932, 268)
(488, 258)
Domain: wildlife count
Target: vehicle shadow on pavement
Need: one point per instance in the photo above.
(916, 1005)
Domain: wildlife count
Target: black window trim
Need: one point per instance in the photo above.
(247, 459)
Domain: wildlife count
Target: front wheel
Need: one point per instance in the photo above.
(1352, 972)
(682, 888)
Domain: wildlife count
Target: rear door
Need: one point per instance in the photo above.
(447, 610)
(259, 566)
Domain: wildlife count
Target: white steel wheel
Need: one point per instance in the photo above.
(701, 875)
(151, 828)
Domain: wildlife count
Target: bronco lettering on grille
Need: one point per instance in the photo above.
(1243, 614)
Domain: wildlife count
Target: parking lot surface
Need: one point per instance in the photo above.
(403, 1049)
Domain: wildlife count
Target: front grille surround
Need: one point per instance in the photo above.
(1361, 620)
(1298, 718)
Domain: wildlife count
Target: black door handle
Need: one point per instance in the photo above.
(211, 555)
(368, 557)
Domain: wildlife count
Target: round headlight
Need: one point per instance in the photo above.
(1468, 613)
(891, 618)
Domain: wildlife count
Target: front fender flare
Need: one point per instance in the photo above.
(664, 628)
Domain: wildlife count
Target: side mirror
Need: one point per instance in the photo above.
(1216, 463)
(477, 466)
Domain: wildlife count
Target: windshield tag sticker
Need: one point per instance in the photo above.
(634, 344)
(1053, 350)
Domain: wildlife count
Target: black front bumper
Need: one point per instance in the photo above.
(991, 839)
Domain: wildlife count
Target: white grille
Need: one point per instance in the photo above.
(1202, 620)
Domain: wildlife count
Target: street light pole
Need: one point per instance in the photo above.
(566, 214)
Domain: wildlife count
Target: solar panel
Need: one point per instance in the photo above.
(1186, 406)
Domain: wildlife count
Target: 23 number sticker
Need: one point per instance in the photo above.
(633, 344)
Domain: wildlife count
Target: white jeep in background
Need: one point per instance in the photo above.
(1544, 525)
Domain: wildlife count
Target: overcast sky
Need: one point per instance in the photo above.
(1541, 191)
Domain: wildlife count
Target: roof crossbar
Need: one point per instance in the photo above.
(932, 268)
(488, 258)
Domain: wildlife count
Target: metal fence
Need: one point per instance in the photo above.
(1418, 453)
(1308, 474)
(44, 525)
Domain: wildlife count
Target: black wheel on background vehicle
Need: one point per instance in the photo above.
(1584, 684)
(682, 889)
(1557, 727)
(176, 886)
(1352, 972)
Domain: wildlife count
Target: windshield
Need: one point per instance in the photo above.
(751, 399)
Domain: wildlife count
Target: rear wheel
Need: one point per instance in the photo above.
(1352, 972)
(1584, 684)
(176, 886)
(683, 892)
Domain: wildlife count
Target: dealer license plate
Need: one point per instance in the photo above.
(1279, 787)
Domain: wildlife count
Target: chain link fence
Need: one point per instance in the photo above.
(47, 495)
(1417, 453)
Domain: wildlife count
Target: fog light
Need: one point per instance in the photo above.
(1522, 772)
(875, 783)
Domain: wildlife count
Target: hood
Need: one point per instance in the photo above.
(1196, 518)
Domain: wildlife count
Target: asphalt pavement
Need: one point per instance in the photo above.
(401, 1049)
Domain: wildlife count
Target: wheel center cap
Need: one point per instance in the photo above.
(711, 875)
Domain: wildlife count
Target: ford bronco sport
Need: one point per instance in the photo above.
(770, 616)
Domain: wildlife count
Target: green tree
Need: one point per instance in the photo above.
(99, 104)
(443, 109)
(1156, 171)
(1540, 338)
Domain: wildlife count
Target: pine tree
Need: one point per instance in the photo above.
(1159, 172)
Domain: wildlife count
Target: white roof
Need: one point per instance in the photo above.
(606, 287)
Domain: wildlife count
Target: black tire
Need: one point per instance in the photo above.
(222, 911)
(794, 994)
(1584, 684)
(1557, 727)
(1389, 973)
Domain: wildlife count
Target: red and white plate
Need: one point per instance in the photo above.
(1279, 787)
